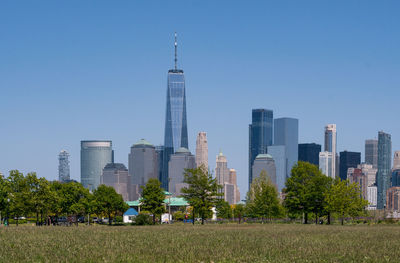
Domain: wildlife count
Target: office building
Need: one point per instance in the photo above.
(264, 162)
(286, 133)
(229, 193)
(233, 180)
(383, 175)
(221, 169)
(325, 163)
(95, 155)
(331, 146)
(348, 160)
(396, 160)
(182, 159)
(260, 135)
(116, 175)
(396, 177)
(355, 175)
(368, 170)
(63, 166)
(371, 152)
(143, 164)
(372, 194)
(176, 134)
(393, 199)
(278, 153)
(160, 159)
(309, 152)
(202, 150)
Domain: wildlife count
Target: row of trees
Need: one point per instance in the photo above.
(29, 195)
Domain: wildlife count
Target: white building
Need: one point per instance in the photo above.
(369, 171)
(330, 146)
(202, 150)
(372, 194)
(326, 163)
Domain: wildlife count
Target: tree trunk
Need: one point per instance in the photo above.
(109, 219)
(305, 218)
(202, 218)
(316, 218)
(239, 220)
(342, 219)
(37, 218)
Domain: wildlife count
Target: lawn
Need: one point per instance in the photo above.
(209, 243)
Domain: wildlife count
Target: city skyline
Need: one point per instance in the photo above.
(67, 86)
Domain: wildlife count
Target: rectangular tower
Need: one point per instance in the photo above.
(309, 152)
(330, 145)
(348, 160)
(383, 175)
(371, 152)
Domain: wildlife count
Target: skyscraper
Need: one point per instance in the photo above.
(309, 152)
(330, 145)
(116, 175)
(278, 153)
(176, 134)
(63, 166)
(286, 132)
(260, 135)
(325, 163)
(182, 159)
(355, 175)
(233, 180)
(348, 160)
(370, 171)
(371, 152)
(221, 169)
(383, 175)
(202, 150)
(94, 157)
(396, 160)
(264, 162)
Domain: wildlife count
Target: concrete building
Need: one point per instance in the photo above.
(309, 152)
(202, 150)
(264, 162)
(221, 169)
(371, 152)
(372, 195)
(182, 159)
(348, 160)
(278, 153)
(393, 201)
(233, 180)
(396, 160)
(116, 175)
(160, 160)
(95, 155)
(384, 173)
(396, 177)
(325, 164)
(331, 146)
(63, 167)
(229, 193)
(143, 164)
(355, 175)
(370, 172)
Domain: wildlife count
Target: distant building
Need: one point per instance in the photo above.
(264, 162)
(383, 175)
(95, 155)
(233, 180)
(116, 175)
(63, 166)
(229, 193)
(348, 160)
(372, 195)
(160, 159)
(309, 152)
(331, 146)
(370, 172)
(325, 163)
(396, 177)
(278, 153)
(182, 159)
(202, 150)
(393, 199)
(371, 152)
(143, 164)
(396, 160)
(221, 169)
(286, 133)
(260, 135)
(356, 175)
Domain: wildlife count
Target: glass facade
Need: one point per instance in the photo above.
(371, 152)
(95, 155)
(383, 175)
(309, 152)
(278, 153)
(260, 135)
(63, 166)
(348, 160)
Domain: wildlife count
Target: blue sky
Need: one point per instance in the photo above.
(75, 70)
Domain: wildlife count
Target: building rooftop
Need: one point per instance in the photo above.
(172, 201)
(264, 156)
(182, 150)
(131, 212)
(115, 166)
(142, 142)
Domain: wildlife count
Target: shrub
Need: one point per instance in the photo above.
(179, 216)
(143, 219)
(118, 219)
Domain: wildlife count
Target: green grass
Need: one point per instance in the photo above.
(209, 243)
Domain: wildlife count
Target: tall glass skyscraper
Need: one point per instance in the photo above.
(260, 135)
(176, 135)
(331, 145)
(383, 175)
(63, 166)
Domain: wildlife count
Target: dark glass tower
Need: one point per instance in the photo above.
(309, 152)
(176, 134)
(348, 160)
(383, 175)
(260, 135)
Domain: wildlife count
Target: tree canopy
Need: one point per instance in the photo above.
(153, 198)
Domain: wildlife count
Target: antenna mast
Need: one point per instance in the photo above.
(176, 55)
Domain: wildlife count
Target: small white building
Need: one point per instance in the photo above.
(129, 215)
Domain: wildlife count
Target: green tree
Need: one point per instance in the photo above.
(345, 199)
(262, 198)
(19, 191)
(40, 195)
(238, 211)
(224, 210)
(305, 190)
(108, 202)
(153, 198)
(202, 191)
(4, 190)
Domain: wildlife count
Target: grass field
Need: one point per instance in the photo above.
(209, 243)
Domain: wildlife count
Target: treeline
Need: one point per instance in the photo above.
(23, 196)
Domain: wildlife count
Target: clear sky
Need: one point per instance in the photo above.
(80, 70)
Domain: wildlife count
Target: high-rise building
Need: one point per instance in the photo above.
(355, 175)
(370, 171)
(331, 145)
(221, 169)
(202, 150)
(176, 134)
(396, 177)
(95, 155)
(182, 159)
(278, 153)
(260, 135)
(286, 132)
(264, 162)
(348, 160)
(160, 159)
(393, 200)
(143, 164)
(325, 163)
(63, 166)
(116, 175)
(233, 180)
(309, 152)
(372, 197)
(383, 175)
(396, 160)
(371, 152)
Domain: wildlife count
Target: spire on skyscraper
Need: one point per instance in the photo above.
(176, 53)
